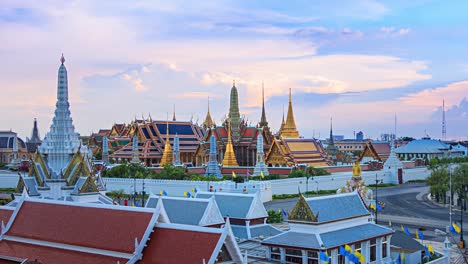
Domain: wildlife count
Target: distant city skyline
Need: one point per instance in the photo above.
(360, 62)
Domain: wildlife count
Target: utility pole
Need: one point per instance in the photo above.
(377, 181)
(143, 193)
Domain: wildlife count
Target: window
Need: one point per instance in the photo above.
(373, 253)
(275, 253)
(312, 257)
(293, 255)
(384, 247)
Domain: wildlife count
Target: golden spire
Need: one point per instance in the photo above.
(229, 156)
(167, 154)
(289, 129)
(208, 123)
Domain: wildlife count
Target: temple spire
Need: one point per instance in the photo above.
(289, 129)
(61, 142)
(331, 143)
(229, 156)
(173, 114)
(263, 120)
(234, 115)
(208, 123)
(167, 153)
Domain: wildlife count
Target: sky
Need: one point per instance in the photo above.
(360, 62)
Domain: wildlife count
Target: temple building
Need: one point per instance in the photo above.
(246, 213)
(153, 138)
(46, 231)
(61, 168)
(12, 148)
(35, 140)
(330, 224)
(243, 137)
(288, 149)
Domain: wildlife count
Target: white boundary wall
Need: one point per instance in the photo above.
(267, 188)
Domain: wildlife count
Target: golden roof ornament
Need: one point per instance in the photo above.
(167, 154)
(289, 129)
(229, 156)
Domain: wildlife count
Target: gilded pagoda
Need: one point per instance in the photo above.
(241, 136)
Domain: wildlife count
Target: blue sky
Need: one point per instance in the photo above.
(361, 62)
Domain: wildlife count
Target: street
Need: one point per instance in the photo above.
(406, 205)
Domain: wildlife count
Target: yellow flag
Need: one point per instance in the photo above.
(456, 228)
(161, 193)
(234, 175)
(185, 194)
(348, 248)
(417, 234)
(362, 259)
(402, 229)
(261, 174)
(402, 256)
(358, 254)
(372, 206)
(430, 248)
(193, 190)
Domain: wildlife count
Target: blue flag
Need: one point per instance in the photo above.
(164, 193)
(453, 230)
(343, 251)
(323, 256)
(398, 261)
(421, 235)
(284, 212)
(379, 207)
(136, 204)
(407, 231)
(426, 251)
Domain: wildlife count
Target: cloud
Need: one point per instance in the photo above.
(391, 31)
(418, 113)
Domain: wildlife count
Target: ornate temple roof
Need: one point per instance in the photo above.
(293, 151)
(152, 137)
(289, 129)
(208, 123)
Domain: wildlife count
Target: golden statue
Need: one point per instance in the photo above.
(357, 169)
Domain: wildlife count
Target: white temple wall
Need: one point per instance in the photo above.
(267, 188)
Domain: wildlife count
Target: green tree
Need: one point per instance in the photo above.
(274, 217)
(438, 182)
(459, 177)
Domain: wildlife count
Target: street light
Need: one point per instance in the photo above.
(307, 184)
(462, 207)
(377, 181)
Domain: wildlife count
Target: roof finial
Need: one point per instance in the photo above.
(234, 83)
(173, 115)
(62, 59)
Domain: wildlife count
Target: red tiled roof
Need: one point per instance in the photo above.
(48, 255)
(174, 246)
(109, 229)
(250, 132)
(5, 215)
(381, 148)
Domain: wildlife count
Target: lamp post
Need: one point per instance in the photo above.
(307, 184)
(462, 207)
(377, 181)
(143, 193)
